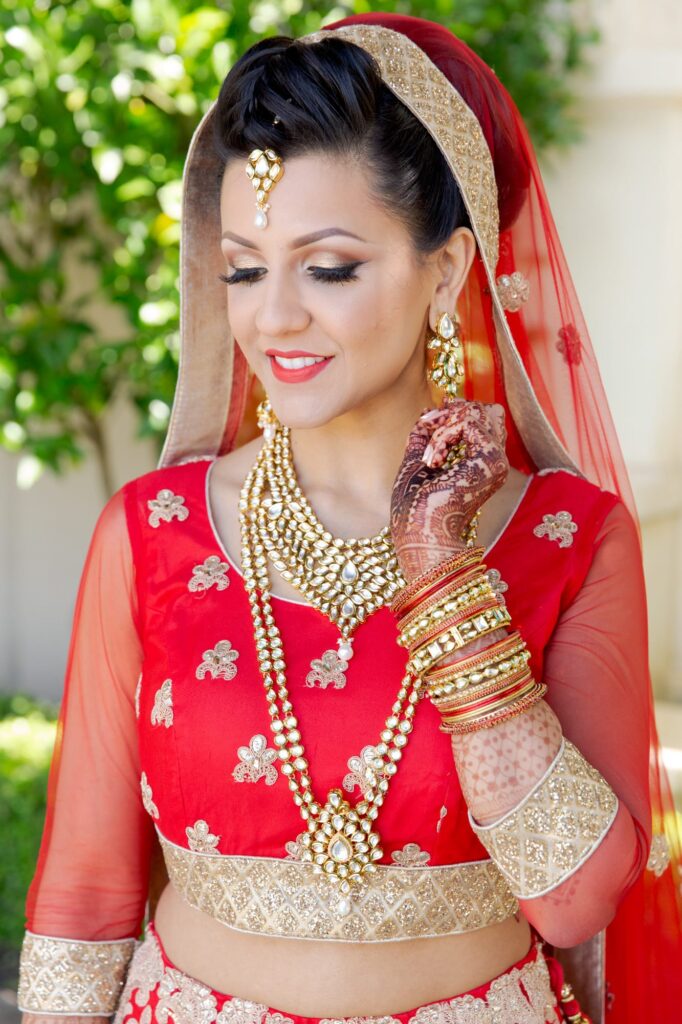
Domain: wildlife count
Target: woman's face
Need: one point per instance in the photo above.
(368, 322)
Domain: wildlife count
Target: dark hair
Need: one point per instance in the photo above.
(331, 98)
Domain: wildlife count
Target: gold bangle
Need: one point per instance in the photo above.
(411, 593)
(451, 702)
(485, 706)
(458, 684)
(467, 666)
(450, 591)
(510, 712)
(454, 619)
(456, 637)
(453, 602)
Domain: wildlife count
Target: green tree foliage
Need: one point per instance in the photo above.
(98, 102)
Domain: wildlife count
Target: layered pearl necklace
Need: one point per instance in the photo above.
(340, 842)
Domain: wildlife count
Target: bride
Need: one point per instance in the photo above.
(357, 719)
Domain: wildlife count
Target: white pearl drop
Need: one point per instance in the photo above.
(261, 219)
(345, 652)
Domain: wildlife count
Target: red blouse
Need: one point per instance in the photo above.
(164, 720)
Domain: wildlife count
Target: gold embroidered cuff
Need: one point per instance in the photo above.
(555, 828)
(69, 976)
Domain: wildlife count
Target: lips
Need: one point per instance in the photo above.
(302, 374)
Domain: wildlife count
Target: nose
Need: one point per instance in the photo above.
(279, 311)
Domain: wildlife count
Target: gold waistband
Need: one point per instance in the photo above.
(274, 896)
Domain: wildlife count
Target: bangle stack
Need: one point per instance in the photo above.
(443, 610)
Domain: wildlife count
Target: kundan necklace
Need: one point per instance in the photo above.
(340, 841)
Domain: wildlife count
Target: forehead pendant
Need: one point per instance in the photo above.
(264, 168)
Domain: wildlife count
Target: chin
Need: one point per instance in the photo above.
(302, 415)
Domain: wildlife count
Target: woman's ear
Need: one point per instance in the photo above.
(451, 267)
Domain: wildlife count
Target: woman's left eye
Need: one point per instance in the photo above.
(332, 275)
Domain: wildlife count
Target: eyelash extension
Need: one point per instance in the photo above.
(330, 275)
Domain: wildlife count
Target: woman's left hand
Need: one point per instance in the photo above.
(432, 503)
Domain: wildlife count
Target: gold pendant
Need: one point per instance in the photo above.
(341, 845)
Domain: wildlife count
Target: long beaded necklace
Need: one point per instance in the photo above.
(341, 842)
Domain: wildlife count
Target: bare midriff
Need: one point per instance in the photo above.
(318, 978)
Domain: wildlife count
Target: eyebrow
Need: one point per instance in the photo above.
(314, 236)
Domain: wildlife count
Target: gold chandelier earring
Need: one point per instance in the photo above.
(266, 419)
(447, 371)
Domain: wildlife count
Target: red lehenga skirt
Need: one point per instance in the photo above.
(528, 992)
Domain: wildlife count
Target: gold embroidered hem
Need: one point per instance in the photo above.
(555, 828)
(272, 896)
(522, 995)
(70, 976)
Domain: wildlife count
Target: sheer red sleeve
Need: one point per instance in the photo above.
(596, 670)
(91, 877)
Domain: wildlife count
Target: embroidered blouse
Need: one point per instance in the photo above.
(164, 725)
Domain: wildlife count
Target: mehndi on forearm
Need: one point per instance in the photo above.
(535, 802)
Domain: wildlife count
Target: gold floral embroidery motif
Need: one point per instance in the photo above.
(211, 572)
(147, 797)
(219, 662)
(199, 837)
(182, 998)
(66, 976)
(498, 584)
(162, 712)
(557, 527)
(295, 847)
(659, 855)
(165, 506)
(441, 814)
(411, 856)
(145, 972)
(513, 290)
(138, 691)
(362, 771)
(325, 670)
(555, 828)
(255, 762)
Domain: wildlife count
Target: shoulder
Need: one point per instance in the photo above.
(582, 495)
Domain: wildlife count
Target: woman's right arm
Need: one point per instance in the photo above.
(86, 903)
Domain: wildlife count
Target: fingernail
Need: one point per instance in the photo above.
(426, 455)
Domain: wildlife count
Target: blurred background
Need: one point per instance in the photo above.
(98, 102)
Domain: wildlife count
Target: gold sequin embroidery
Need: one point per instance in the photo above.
(426, 91)
(327, 669)
(138, 692)
(162, 712)
(68, 976)
(498, 584)
(219, 662)
(211, 572)
(200, 838)
(165, 506)
(513, 290)
(147, 797)
(555, 828)
(284, 896)
(362, 771)
(659, 855)
(557, 527)
(411, 856)
(255, 762)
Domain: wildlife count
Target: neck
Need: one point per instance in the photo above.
(351, 462)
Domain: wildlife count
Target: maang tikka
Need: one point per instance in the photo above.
(264, 168)
(448, 369)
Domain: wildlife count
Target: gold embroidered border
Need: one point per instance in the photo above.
(426, 91)
(274, 896)
(70, 976)
(555, 828)
(520, 994)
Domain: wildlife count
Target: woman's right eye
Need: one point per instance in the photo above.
(240, 275)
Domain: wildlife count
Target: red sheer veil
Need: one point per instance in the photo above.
(526, 346)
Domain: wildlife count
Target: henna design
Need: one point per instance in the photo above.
(432, 502)
(498, 766)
